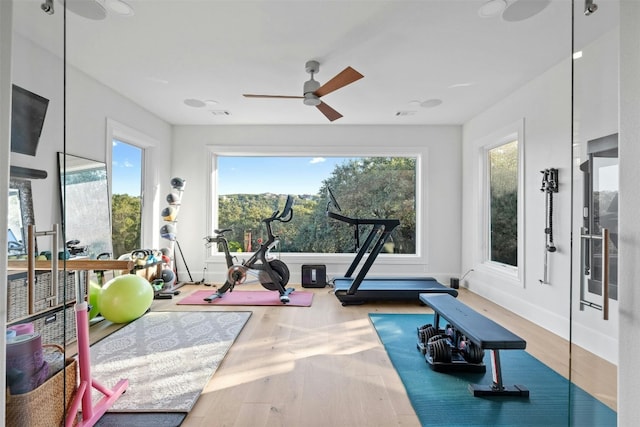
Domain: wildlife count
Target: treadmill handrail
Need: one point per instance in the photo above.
(388, 223)
(381, 229)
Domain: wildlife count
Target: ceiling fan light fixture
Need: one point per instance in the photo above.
(311, 99)
(310, 86)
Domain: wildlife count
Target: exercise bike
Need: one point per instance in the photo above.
(272, 273)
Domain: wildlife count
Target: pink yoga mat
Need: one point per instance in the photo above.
(298, 298)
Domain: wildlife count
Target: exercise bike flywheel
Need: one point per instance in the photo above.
(237, 274)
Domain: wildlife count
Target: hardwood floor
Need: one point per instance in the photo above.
(324, 365)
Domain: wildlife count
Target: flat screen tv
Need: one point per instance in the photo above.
(28, 111)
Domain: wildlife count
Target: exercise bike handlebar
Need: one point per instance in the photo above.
(356, 221)
(286, 215)
(287, 212)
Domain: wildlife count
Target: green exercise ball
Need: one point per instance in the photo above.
(94, 295)
(125, 298)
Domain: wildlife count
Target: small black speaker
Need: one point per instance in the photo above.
(314, 276)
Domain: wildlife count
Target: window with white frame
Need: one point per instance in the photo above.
(502, 222)
(247, 188)
(129, 153)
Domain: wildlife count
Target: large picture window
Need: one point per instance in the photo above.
(250, 188)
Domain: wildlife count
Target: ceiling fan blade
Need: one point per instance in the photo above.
(345, 77)
(249, 95)
(329, 112)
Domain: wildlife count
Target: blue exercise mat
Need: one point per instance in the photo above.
(442, 399)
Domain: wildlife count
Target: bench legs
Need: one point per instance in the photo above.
(497, 388)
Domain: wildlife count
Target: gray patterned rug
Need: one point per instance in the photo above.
(168, 358)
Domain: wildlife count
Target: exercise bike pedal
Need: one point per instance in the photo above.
(212, 297)
(284, 298)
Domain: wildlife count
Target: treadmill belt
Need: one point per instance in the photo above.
(388, 289)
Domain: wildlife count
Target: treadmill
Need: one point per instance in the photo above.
(360, 289)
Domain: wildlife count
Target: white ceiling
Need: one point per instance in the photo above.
(172, 50)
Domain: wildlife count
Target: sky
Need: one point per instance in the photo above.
(279, 175)
(126, 167)
(236, 175)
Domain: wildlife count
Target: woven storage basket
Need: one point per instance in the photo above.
(17, 296)
(54, 326)
(18, 293)
(43, 407)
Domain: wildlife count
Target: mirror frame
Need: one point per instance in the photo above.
(26, 206)
(88, 250)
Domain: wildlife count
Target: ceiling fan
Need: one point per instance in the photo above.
(312, 91)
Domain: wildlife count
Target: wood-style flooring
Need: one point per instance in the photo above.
(325, 366)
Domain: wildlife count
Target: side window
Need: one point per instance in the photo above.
(503, 203)
(501, 211)
(126, 197)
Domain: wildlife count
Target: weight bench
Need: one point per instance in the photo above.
(470, 326)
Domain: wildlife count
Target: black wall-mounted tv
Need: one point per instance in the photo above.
(28, 111)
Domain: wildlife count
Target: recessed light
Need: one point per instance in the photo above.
(453, 86)
(120, 7)
(210, 102)
(195, 103)
(430, 103)
(87, 9)
(492, 8)
(577, 55)
(520, 10)
(414, 103)
(159, 80)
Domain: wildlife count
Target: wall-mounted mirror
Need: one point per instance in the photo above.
(20, 204)
(85, 205)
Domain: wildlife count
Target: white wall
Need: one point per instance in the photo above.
(440, 146)
(545, 106)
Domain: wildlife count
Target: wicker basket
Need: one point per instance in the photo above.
(18, 293)
(43, 407)
(55, 327)
(17, 296)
